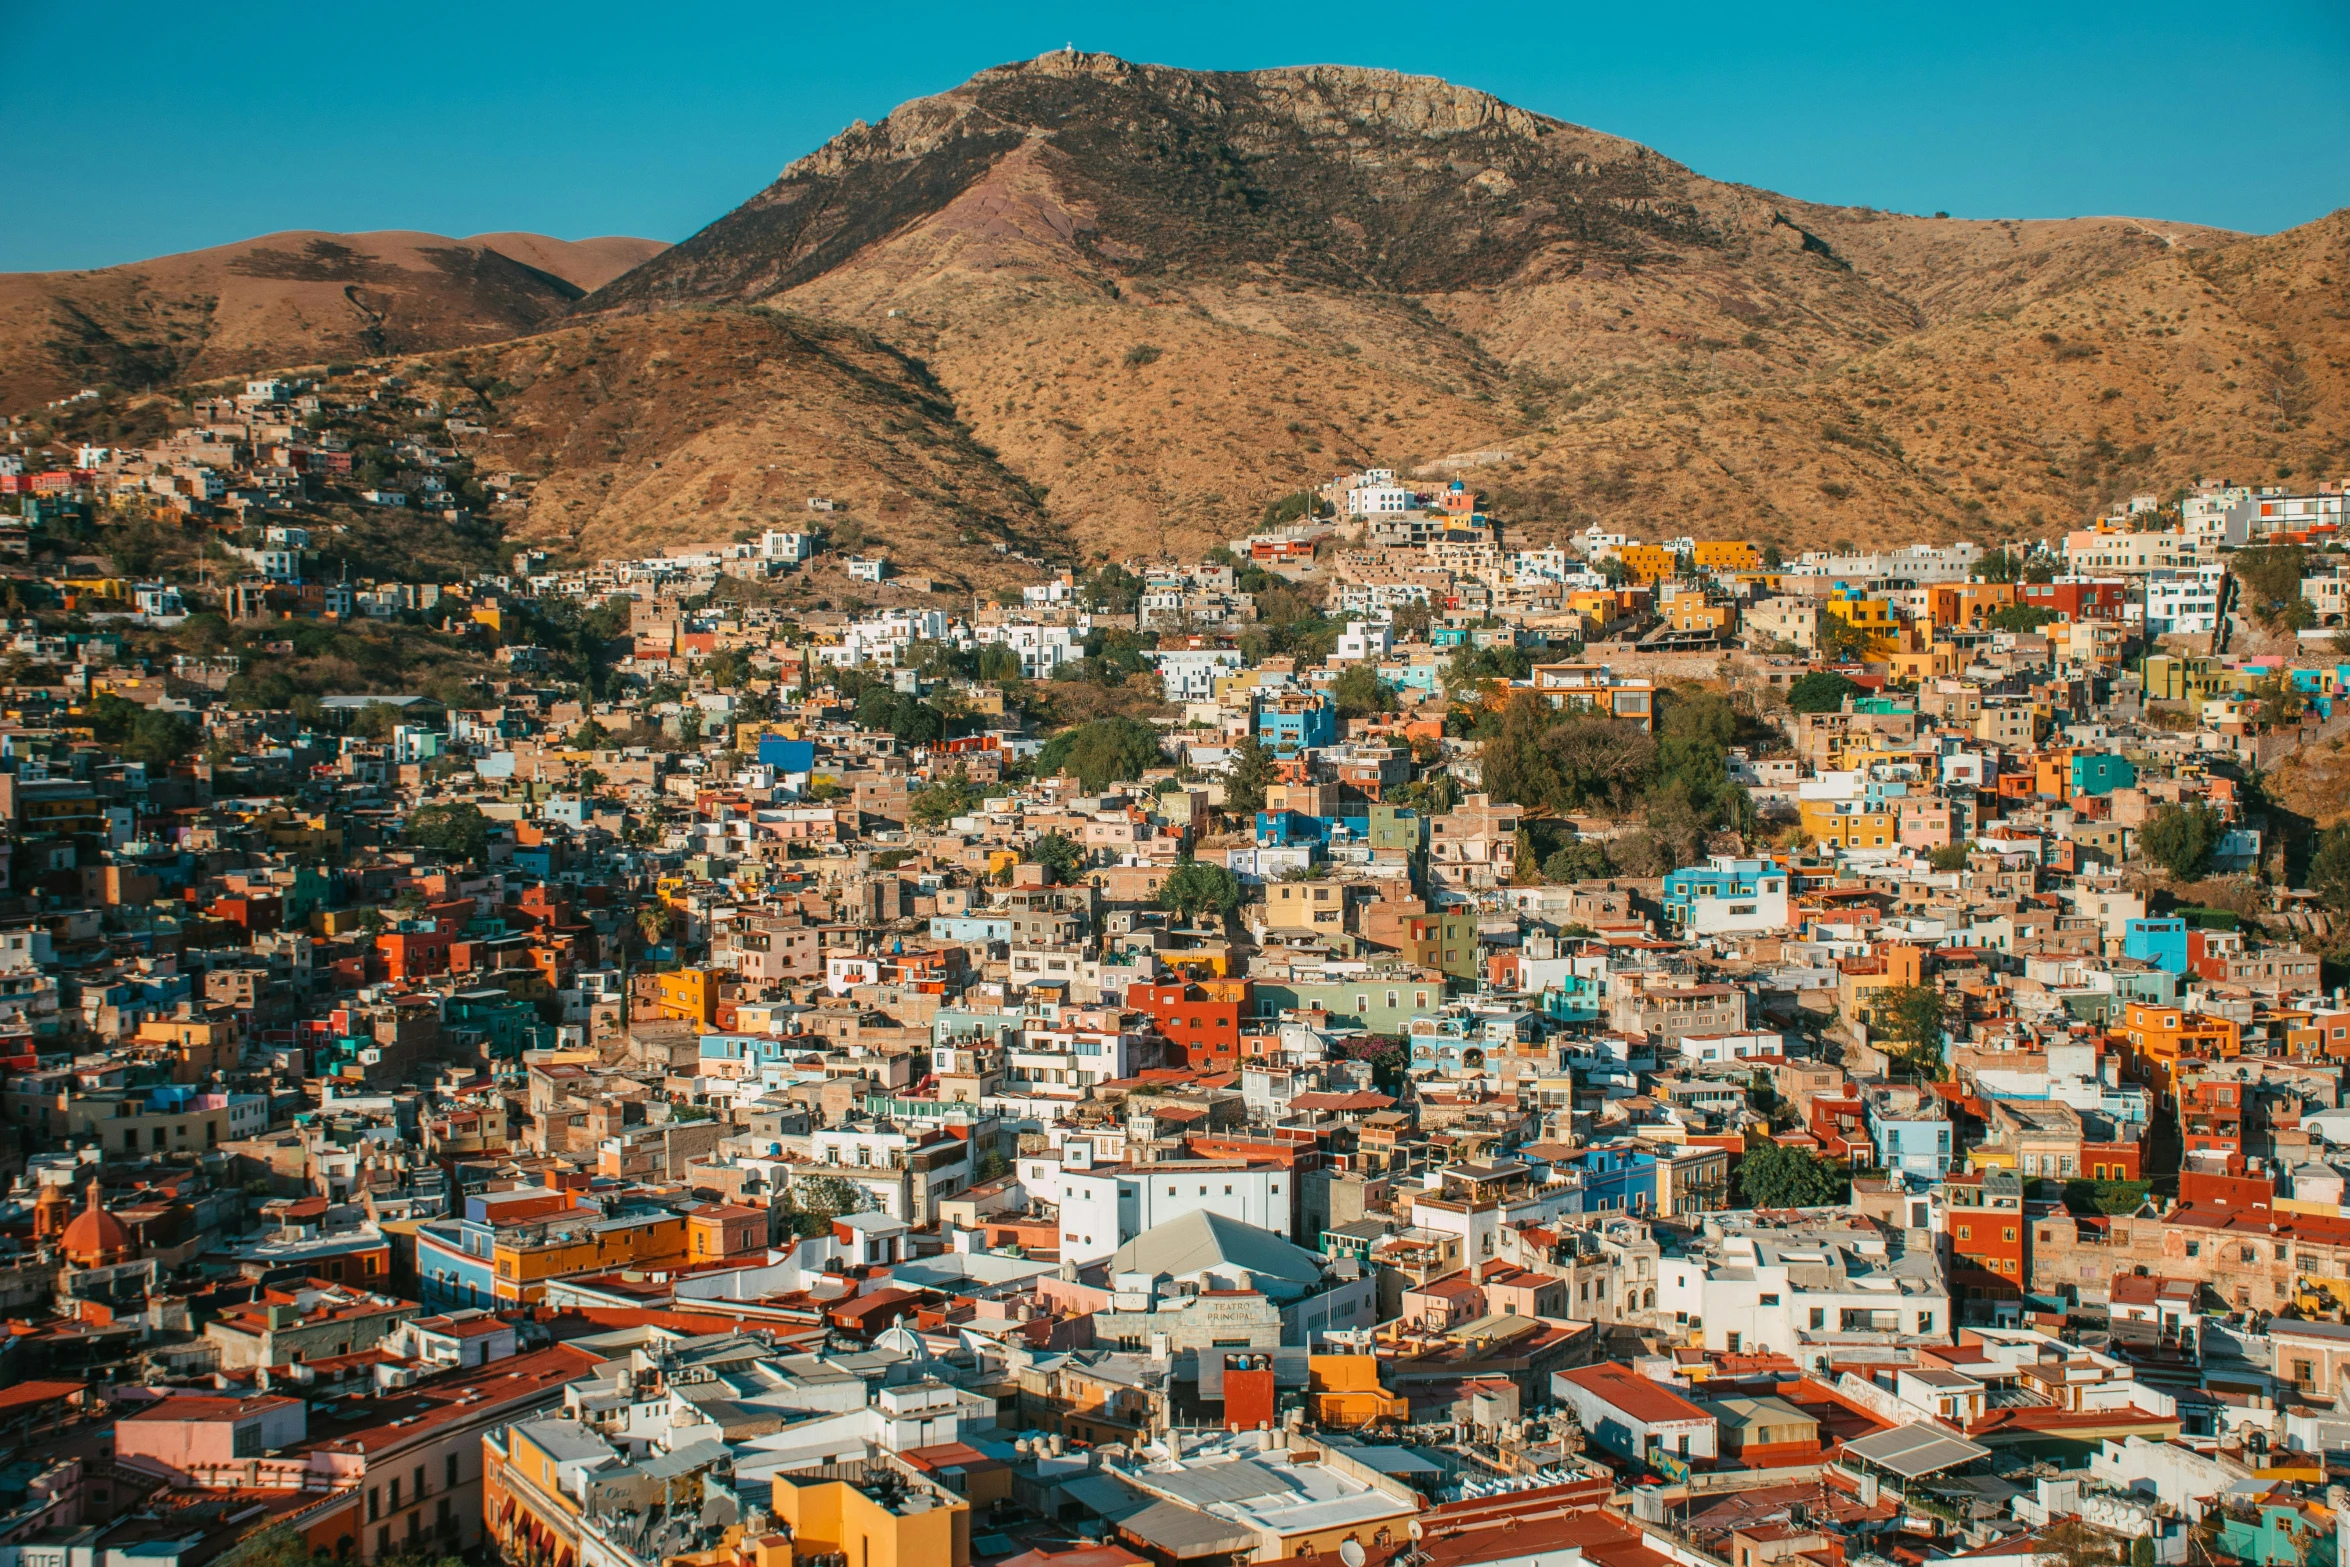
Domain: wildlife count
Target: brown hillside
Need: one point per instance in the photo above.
(285, 299)
(706, 426)
(1337, 264)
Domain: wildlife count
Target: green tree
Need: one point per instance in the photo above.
(814, 1201)
(1911, 1018)
(1578, 859)
(1360, 693)
(1949, 857)
(2270, 579)
(160, 739)
(2181, 839)
(459, 831)
(2329, 866)
(942, 801)
(2019, 617)
(1101, 753)
(1196, 887)
(1778, 1176)
(1250, 771)
(1821, 691)
(1058, 853)
(1111, 588)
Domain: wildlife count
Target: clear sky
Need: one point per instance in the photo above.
(162, 127)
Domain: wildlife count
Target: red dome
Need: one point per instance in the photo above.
(96, 1238)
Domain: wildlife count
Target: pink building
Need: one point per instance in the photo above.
(1925, 824)
(191, 1435)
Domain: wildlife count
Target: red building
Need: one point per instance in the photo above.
(1208, 1030)
(2075, 600)
(1983, 1221)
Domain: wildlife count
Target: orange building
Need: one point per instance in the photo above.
(1343, 1393)
(2158, 1038)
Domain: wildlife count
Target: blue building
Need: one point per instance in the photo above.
(2097, 772)
(970, 927)
(2162, 943)
(1617, 1177)
(1286, 829)
(788, 756)
(1725, 892)
(1912, 1141)
(1291, 722)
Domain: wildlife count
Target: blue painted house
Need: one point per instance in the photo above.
(1912, 1141)
(1617, 1177)
(1292, 722)
(2101, 772)
(2162, 943)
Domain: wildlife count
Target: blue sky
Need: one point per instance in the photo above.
(595, 118)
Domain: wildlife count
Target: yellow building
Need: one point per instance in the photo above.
(1305, 905)
(1343, 1393)
(196, 1047)
(1849, 824)
(560, 1249)
(1871, 618)
(1725, 555)
(1935, 661)
(1649, 562)
(687, 994)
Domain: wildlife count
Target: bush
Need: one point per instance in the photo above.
(2181, 839)
(1821, 691)
(1142, 354)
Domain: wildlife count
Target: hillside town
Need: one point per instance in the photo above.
(1392, 1041)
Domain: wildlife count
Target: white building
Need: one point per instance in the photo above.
(1787, 1290)
(1101, 1210)
(1363, 639)
(793, 547)
(2184, 603)
(1042, 649)
(1189, 674)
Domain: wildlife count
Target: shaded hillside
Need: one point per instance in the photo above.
(1163, 295)
(285, 299)
(708, 426)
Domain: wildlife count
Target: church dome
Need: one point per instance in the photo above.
(96, 1238)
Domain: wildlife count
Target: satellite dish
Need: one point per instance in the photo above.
(1413, 1528)
(1351, 1552)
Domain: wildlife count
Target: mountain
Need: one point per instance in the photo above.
(291, 298)
(1162, 296)
(694, 427)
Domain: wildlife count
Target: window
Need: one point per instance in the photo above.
(1767, 1300)
(1819, 1316)
(373, 1498)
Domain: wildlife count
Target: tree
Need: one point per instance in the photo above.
(2270, 578)
(1949, 857)
(1911, 1017)
(160, 739)
(1578, 859)
(2019, 617)
(1778, 1176)
(653, 922)
(944, 800)
(813, 1201)
(2181, 839)
(1250, 770)
(375, 721)
(1058, 853)
(1772, 557)
(1821, 691)
(1196, 887)
(2329, 866)
(459, 831)
(1360, 693)
(1101, 753)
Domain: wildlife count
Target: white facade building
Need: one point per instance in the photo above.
(1101, 1210)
